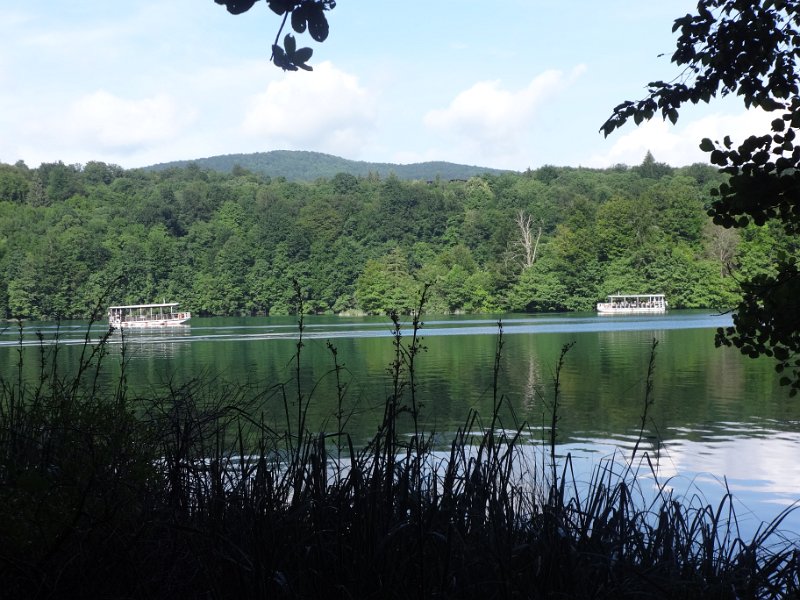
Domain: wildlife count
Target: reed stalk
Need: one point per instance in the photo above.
(648, 397)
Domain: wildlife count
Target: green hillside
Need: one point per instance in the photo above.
(309, 166)
(550, 239)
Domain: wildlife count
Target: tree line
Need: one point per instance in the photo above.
(550, 239)
(304, 165)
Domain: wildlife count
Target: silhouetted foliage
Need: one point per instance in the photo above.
(304, 15)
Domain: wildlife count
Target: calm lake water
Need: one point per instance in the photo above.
(716, 414)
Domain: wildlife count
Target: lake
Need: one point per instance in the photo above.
(715, 414)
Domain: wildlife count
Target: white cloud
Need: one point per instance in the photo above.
(326, 110)
(772, 461)
(120, 124)
(679, 145)
(95, 126)
(490, 121)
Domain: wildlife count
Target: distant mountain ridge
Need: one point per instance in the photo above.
(298, 165)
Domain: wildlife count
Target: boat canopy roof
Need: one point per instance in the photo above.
(134, 306)
(613, 296)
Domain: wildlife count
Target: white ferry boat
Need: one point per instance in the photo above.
(140, 316)
(632, 304)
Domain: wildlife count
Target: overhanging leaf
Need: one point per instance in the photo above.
(317, 23)
(280, 59)
(280, 6)
(706, 145)
(673, 115)
(289, 44)
(237, 7)
(302, 56)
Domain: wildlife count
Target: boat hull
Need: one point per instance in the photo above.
(616, 310)
(150, 323)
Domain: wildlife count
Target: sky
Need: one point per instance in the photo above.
(510, 84)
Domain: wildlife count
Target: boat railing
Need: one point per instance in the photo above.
(133, 317)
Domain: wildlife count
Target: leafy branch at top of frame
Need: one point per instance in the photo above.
(751, 49)
(304, 15)
(730, 46)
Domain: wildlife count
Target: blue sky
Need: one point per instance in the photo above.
(507, 84)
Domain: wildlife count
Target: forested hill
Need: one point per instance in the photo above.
(309, 166)
(552, 239)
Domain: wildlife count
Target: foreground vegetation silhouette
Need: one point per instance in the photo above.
(191, 493)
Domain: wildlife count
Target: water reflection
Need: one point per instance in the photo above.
(757, 460)
(757, 464)
(148, 344)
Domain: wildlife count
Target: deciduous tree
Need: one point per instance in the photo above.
(527, 243)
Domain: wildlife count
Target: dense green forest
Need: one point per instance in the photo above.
(552, 239)
(297, 165)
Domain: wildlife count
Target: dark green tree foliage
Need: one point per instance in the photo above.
(652, 169)
(750, 49)
(231, 244)
(302, 165)
(97, 173)
(14, 185)
(304, 15)
(55, 182)
(386, 284)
